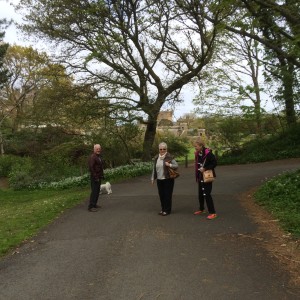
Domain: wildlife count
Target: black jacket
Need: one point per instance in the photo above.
(207, 159)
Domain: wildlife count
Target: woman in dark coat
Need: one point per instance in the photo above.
(204, 160)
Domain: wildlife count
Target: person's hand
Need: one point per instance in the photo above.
(152, 181)
(168, 164)
(201, 169)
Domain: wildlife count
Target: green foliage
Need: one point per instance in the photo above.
(21, 174)
(33, 141)
(53, 155)
(24, 172)
(120, 144)
(54, 167)
(6, 163)
(56, 156)
(231, 130)
(278, 146)
(69, 158)
(281, 197)
(177, 146)
(72, 151)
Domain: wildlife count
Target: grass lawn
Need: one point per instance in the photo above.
(24, 213)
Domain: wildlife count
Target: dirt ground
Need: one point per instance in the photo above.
(3, 183)
(278, 243)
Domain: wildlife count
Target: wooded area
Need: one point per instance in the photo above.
(117, 63)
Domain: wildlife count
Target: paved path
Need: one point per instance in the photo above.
(127, 252)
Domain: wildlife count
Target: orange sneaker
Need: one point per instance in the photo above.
(211, 216)
(199, 212)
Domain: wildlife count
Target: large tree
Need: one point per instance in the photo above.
(277, 26)
(280, 67)
(137, 53)
(4, 75)
(234, 81)
(27, 68)
(40, 92)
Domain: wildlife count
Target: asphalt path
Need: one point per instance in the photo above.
(127, 251)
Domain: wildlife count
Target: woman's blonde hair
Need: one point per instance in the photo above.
(200, 142)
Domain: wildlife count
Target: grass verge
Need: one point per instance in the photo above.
(24, 213)
(281, 197)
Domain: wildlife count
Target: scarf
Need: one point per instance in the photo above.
(162, 156)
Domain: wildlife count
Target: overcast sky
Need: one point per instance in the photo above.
(7, 11)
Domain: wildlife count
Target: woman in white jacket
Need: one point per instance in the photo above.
(165, 184)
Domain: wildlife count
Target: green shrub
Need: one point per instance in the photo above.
(20, 175)
(54, 167)
(75, 152)
(32, 141)
(6, 163)
(26, 172)
(279, 146)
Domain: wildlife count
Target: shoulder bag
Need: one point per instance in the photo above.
(208, 175)
(172, 173)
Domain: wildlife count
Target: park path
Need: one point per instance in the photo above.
(126, 251)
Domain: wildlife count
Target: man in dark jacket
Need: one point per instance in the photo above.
(96, 170)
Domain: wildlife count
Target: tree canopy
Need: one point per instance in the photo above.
(282, 18)
(137, 54)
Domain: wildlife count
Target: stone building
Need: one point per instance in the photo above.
(165, 124)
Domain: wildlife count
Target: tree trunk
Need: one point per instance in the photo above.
(257, 106)
(149, 137)
(1, 144)
(257, 110)
(288, 93)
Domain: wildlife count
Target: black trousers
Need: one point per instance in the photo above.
(204, 194)
(165, 191)
(95, 191)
